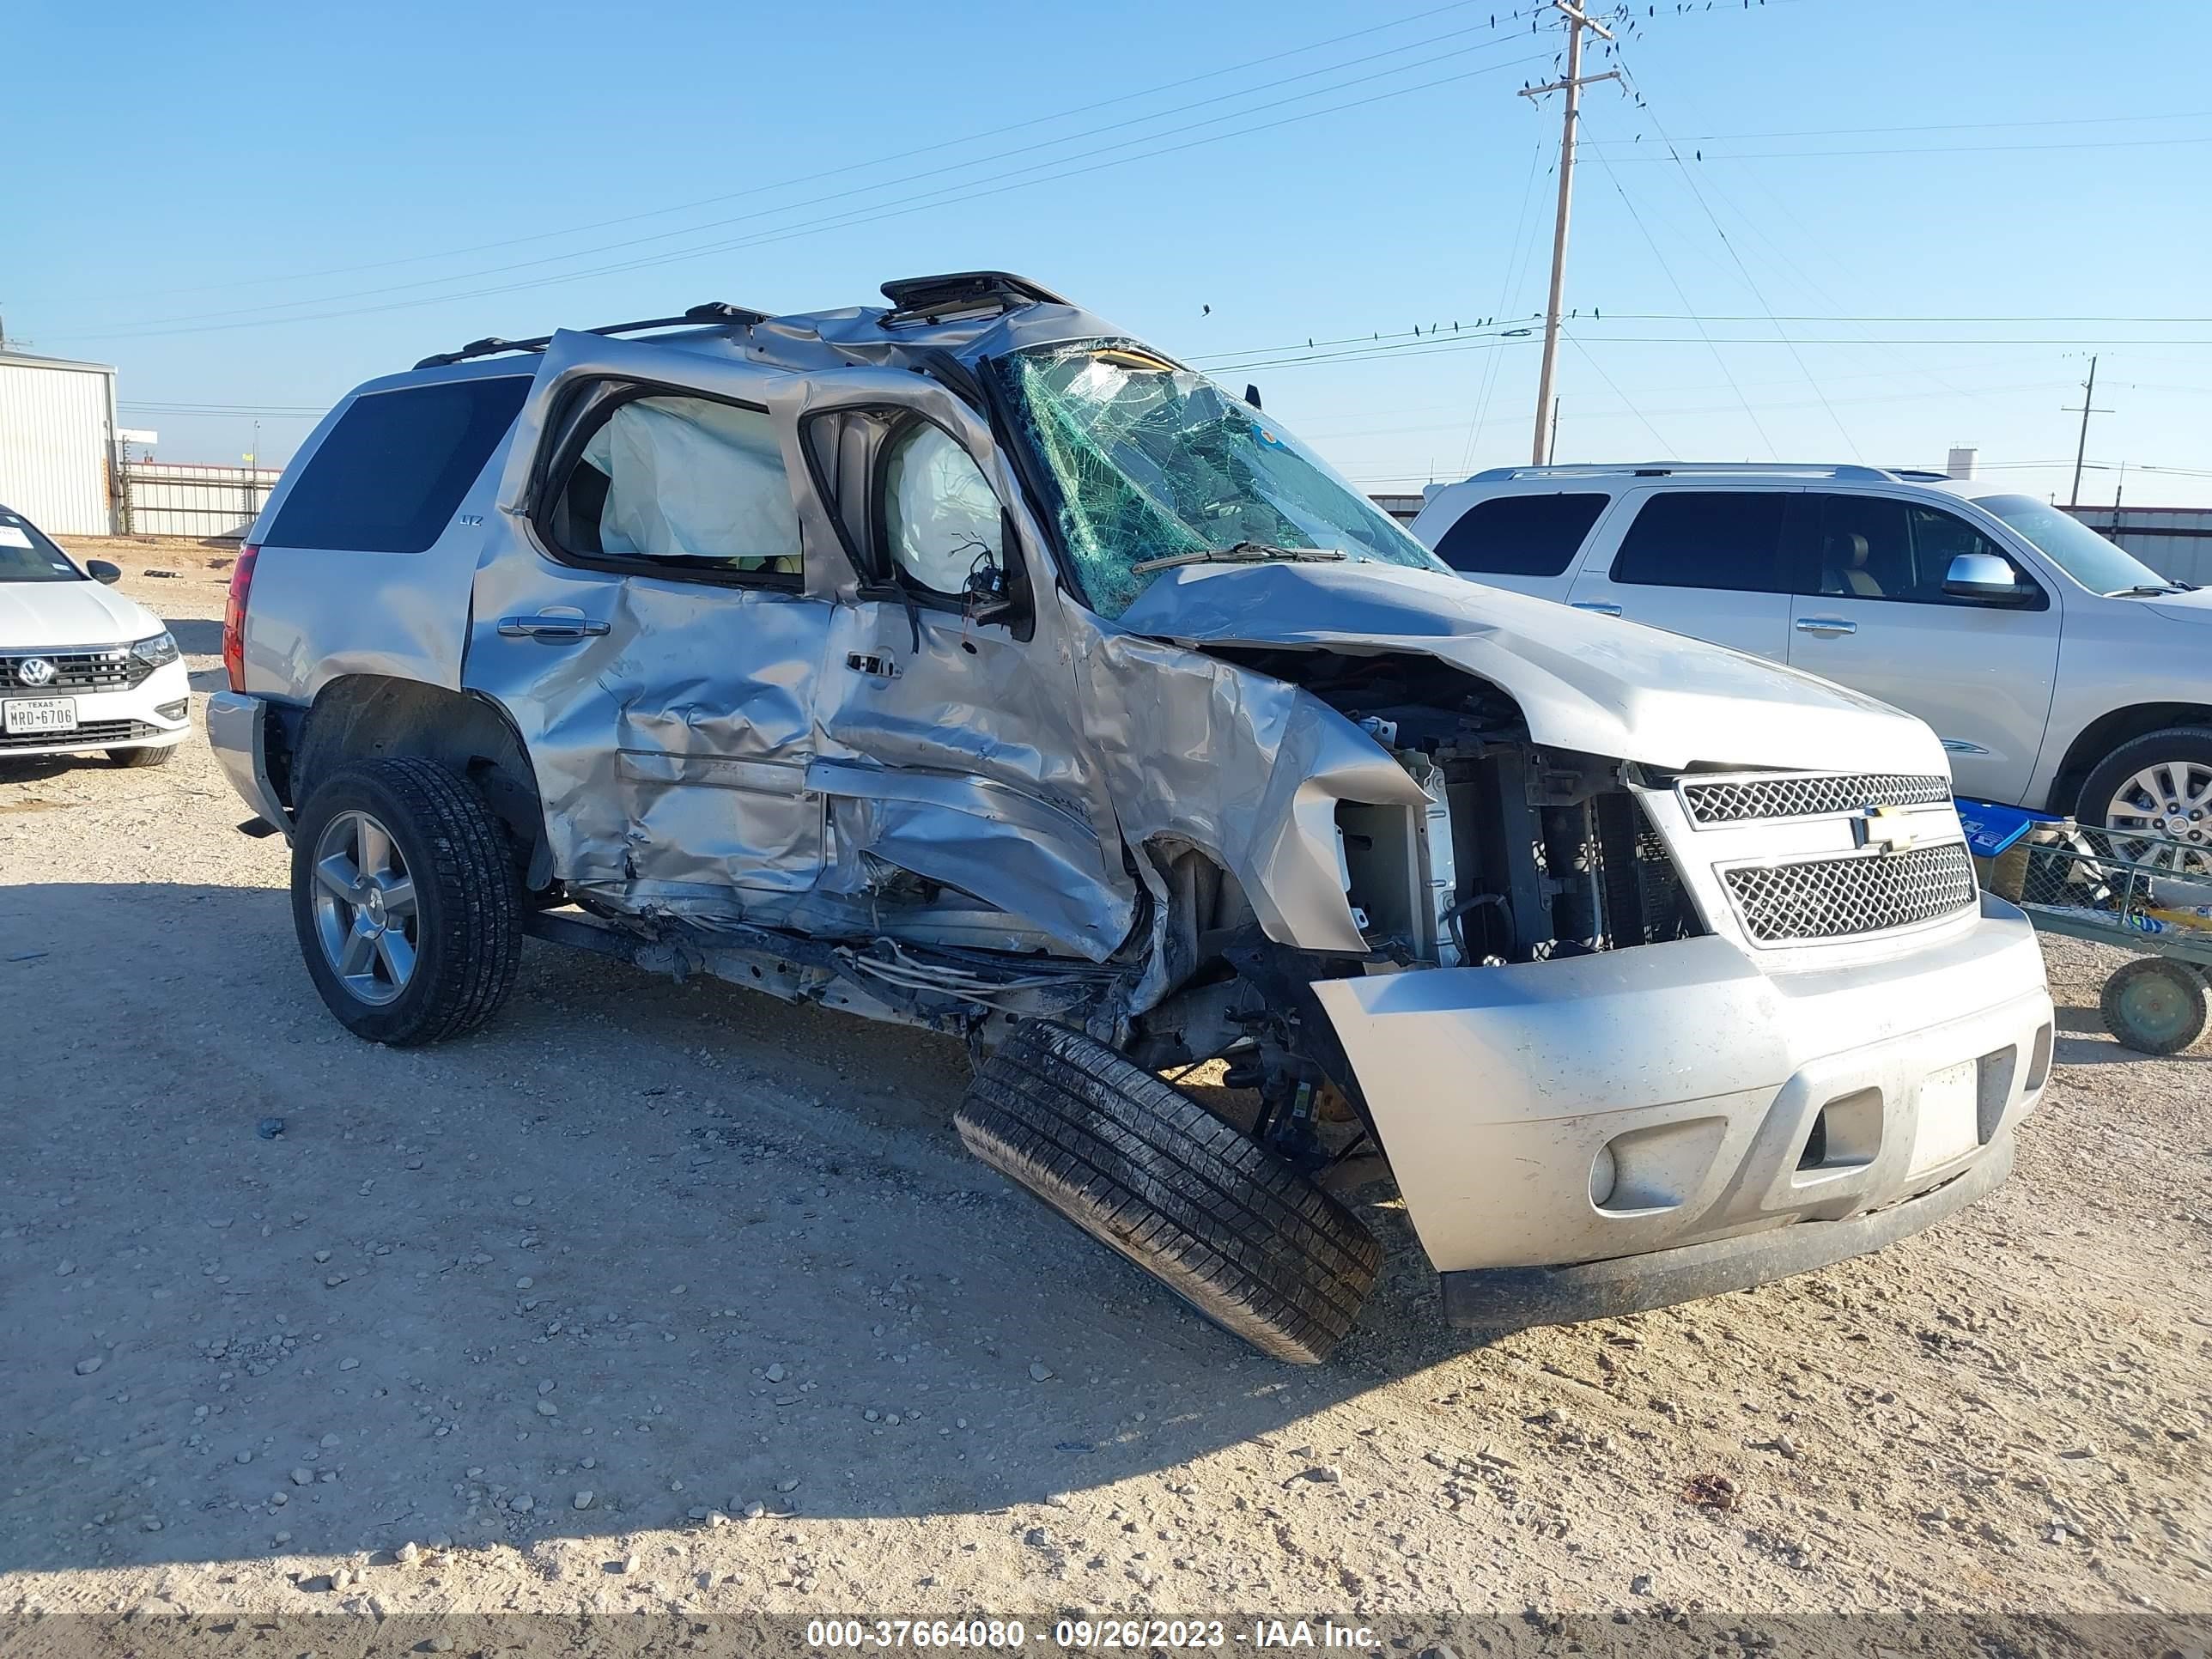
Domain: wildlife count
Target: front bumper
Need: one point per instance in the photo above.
(1501, 1299)
(1647, 1100)
(154, 713)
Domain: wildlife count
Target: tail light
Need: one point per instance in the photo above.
(233, 617)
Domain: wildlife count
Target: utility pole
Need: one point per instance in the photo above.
(1552, 452)
(2087, 409)
(1573, 86)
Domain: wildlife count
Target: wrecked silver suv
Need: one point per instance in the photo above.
(969, 664)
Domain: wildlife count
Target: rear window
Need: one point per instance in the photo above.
(1706, 538)
(390, 475)
(1520, 535)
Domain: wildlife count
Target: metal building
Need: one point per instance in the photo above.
(56, 443)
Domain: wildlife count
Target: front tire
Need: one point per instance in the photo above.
(1147, 1171)
(2159, 785)
(143, 757)
(406, 902)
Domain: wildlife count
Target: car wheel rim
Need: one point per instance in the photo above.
(365, 914)
(2173, 801)
(2155, 1007)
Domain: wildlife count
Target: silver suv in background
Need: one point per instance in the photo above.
(2060, 673)
(967, 663)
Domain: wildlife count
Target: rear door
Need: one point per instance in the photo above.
(1875, 616)
(1715, 564)
(643, 614)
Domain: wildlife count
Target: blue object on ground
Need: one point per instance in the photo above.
(270, 1128)
(1991, 828)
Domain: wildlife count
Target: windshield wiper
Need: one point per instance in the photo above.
(1243, 553)
(2147, 590)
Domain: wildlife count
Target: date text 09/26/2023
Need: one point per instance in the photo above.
(1089, 1635)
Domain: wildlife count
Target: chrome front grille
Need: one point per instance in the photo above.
(108, 668)
(1827, 898)
(1740, 800)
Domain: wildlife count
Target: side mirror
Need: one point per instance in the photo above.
(1985, 577)
(984, 598)
(101, 571)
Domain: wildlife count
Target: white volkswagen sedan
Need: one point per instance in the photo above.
(81, 668)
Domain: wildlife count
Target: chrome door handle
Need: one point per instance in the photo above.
(1597, 607)
(1825, 625)
(554, 628)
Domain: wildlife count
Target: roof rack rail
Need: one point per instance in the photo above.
(713, 312)
(1837, 469)
(914, 297)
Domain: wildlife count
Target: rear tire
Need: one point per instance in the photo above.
(2154, 1005)
(160, 757)
(1147, 1170)
(463, 927)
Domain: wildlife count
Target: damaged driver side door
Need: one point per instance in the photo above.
(963, 799)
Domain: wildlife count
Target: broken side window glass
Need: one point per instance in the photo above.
(1154, 462)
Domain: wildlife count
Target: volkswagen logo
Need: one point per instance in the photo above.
(35, 671)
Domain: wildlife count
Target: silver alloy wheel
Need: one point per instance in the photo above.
(2172, 800)
(365, 914)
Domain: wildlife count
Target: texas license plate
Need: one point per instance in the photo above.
(36, 715)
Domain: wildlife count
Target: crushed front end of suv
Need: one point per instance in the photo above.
(966, 663)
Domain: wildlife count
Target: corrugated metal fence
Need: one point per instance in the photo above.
(173, 498)
(2174, 541)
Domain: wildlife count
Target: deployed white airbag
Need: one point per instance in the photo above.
(690, 478)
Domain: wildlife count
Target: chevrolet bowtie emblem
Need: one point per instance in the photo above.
(1887, 827)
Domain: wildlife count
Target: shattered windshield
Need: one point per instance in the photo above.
(1152, 462)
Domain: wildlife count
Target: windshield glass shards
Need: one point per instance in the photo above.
(1155, 466)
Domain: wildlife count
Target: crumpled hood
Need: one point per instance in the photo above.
(1591, 683)
(56, 615)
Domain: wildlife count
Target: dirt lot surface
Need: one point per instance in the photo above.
(672, 1298)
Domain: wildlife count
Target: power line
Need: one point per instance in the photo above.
(1640, 415)
(1667, 271)
(882, 185)
(1666, 317)
(1478, 342)
(969, 190)
(1782, 203)
(1517, 265)
(901, 155)
(1930, 149)
(1943, 126)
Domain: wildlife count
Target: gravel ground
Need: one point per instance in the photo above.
(672, 1299)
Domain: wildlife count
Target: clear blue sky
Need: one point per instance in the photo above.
(249, 211)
